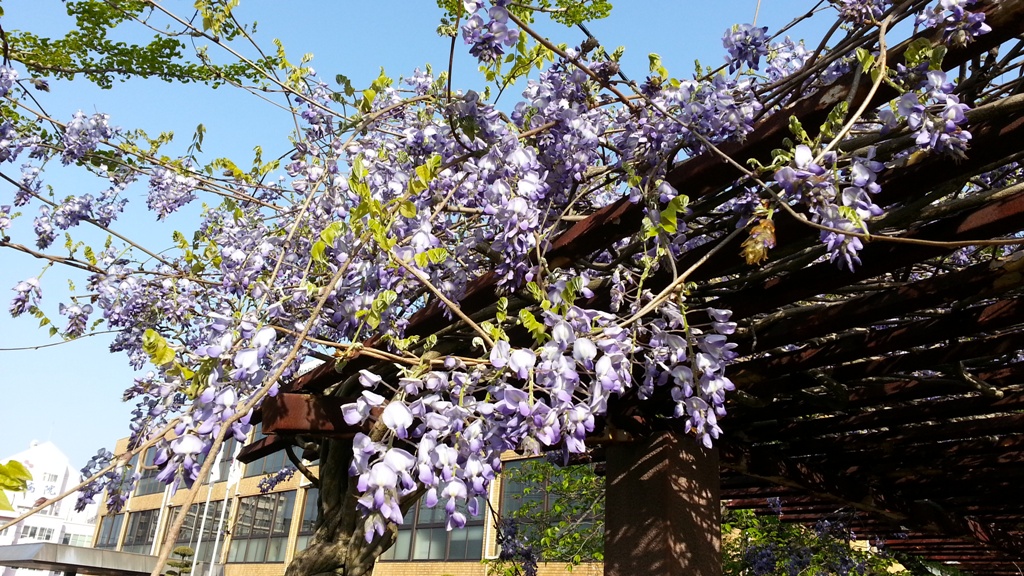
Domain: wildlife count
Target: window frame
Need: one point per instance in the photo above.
(277, 528)
(310, 504)
(141, 531)
(40, 533)
(148, 483)
(116, 521)
(191, 527)
(421, 519)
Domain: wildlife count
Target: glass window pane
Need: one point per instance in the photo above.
(421, 545)
(283, 517)
(237, 552)
(457, 544)
(275, 552)
(256, 551)
(309, 511)
(438, 543)
(403, 543)
(474, 542)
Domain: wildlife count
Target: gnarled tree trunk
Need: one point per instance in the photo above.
(339, 545)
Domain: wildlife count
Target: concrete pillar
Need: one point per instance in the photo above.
(662, 510)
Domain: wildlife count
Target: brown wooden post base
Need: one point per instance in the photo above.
(662, 512)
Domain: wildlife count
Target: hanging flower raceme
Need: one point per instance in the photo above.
(488, 38)
(746, 44)
(937, 116)
(83, 134)
(960, 25)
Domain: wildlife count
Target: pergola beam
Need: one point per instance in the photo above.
(868, 497)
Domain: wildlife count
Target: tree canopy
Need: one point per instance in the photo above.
(477, 278)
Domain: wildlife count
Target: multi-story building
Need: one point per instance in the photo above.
(236, 527)
(52, 474)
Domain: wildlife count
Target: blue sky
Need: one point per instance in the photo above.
(70, 393)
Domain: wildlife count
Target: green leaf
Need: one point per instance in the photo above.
(369, 95)
(156, 347)
(866, 59)
(668, 221)
(502, 313)
(656, 66)
(536, 328)
(5, 503)
(16, 470)
(317, 252)
(407, 209)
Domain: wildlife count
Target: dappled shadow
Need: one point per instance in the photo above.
(662, 514)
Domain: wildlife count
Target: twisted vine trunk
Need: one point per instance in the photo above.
(339, 545)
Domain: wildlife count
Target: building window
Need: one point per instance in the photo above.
(48, 477)
(309, 512)
(141, 531)
(51, 510)
(268, 464)
(189, 534)
(83, 540)
(148, 482)
(110, 530)
(260, 533)
(423, 536)
(37, 533)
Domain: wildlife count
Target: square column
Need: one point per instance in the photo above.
(662, 509)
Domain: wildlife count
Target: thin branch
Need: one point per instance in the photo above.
(301, 467)
(51, 344)
(448, 302)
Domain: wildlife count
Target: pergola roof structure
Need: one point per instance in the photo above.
(893, 395)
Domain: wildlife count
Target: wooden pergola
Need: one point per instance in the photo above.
(894, 394)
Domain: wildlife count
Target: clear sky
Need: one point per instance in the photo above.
(71, 393)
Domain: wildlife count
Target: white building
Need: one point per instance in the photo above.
(52, 474)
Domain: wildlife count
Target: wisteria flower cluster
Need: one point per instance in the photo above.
(83, 134)
(839, 199)
(861, 11)
(116, 483)
(8, 76)
(169, 190)
(960, 25)
(271, 481)
(488, 38)
(746, 45)
(937, 116)
(28, 294)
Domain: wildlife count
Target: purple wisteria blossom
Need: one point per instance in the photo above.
(169, 190)
(8, 76)
(6, 213)
(78, 316)
(960, 25)
(861, 11)
(270, 481)
(937, 116)
(746, 44)
(28, 294)
(43, 226)
(489, 37)
(83, 134)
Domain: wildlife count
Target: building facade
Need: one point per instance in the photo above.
(236, 529)
(52, 474)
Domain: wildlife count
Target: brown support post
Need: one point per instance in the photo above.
(662, 510)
